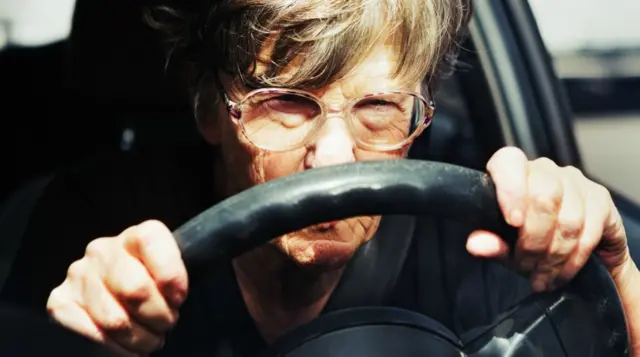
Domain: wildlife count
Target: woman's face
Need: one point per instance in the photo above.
(245, 165)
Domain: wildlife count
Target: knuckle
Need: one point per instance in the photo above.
(115, 323)
(573, 171)
(545, 162)
(135, 289)
(570, 227)
(603, 192)
(147, 233)
(98, 248)
(559, 253)
(511, 151)
(546, 198)
(506, 154)
(151, 227)
(57, 300)
(77, 270)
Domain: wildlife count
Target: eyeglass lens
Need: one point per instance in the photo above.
(281, 120)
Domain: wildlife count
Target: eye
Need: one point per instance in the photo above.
(287, 98)
(375, 103)
(292, 104)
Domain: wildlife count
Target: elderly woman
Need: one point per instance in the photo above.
(278, 87)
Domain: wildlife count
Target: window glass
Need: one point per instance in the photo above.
(595, 46)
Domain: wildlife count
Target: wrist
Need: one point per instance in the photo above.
(626, 276)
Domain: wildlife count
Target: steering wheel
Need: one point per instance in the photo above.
(584, 318)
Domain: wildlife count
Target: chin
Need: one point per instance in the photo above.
(327, 245)
(319, 252)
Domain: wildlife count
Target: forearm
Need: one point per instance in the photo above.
(628, 282)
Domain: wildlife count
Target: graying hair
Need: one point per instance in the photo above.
(208, 37)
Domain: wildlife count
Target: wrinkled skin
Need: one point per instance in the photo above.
(126, 291)
(246, 166)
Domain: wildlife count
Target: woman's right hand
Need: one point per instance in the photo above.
(126, 290)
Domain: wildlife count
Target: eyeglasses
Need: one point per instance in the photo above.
(284, 119)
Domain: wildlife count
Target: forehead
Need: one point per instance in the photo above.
(374, 72)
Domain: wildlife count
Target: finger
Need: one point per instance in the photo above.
(129, 281)
(544, 201)
(155, 246)
(112, 318)
(488, 245)
(600, 221)
(66, 312)
(568, 229)
(612, 248)
(508, 169)
(596, 212)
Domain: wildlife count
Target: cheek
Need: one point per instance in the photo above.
(249, 166)
(278, 164)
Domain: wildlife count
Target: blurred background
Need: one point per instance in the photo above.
(595, 46)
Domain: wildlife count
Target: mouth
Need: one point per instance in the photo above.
(324, 227)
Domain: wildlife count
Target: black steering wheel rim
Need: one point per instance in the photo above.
(264, 212)
(410, 187)
(402, 186)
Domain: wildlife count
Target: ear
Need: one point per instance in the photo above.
(210, 131)
(210, 119)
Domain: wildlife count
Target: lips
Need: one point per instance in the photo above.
(326, 225)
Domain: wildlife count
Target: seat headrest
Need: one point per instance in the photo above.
(115, 58)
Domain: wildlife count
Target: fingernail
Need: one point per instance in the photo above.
(174, 296)
(178, 298)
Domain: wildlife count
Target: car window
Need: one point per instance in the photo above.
(597, 58)
(34, 22)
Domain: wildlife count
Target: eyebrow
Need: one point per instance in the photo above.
(406, 84)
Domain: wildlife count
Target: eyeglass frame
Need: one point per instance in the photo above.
(235, 112)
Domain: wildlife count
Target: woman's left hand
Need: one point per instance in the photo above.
(562, 218)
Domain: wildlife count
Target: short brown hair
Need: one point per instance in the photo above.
(211, 36)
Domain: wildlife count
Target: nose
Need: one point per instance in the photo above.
(333, 145)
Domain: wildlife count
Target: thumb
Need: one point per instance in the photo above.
(484, 244)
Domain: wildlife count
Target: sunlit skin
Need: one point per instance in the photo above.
(295, 279)
(247, 165)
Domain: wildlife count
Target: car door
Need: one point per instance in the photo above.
(531, 103)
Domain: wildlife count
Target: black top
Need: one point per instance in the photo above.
(105, 196)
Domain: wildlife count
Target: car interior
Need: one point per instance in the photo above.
(105, 89)
(108, 83)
